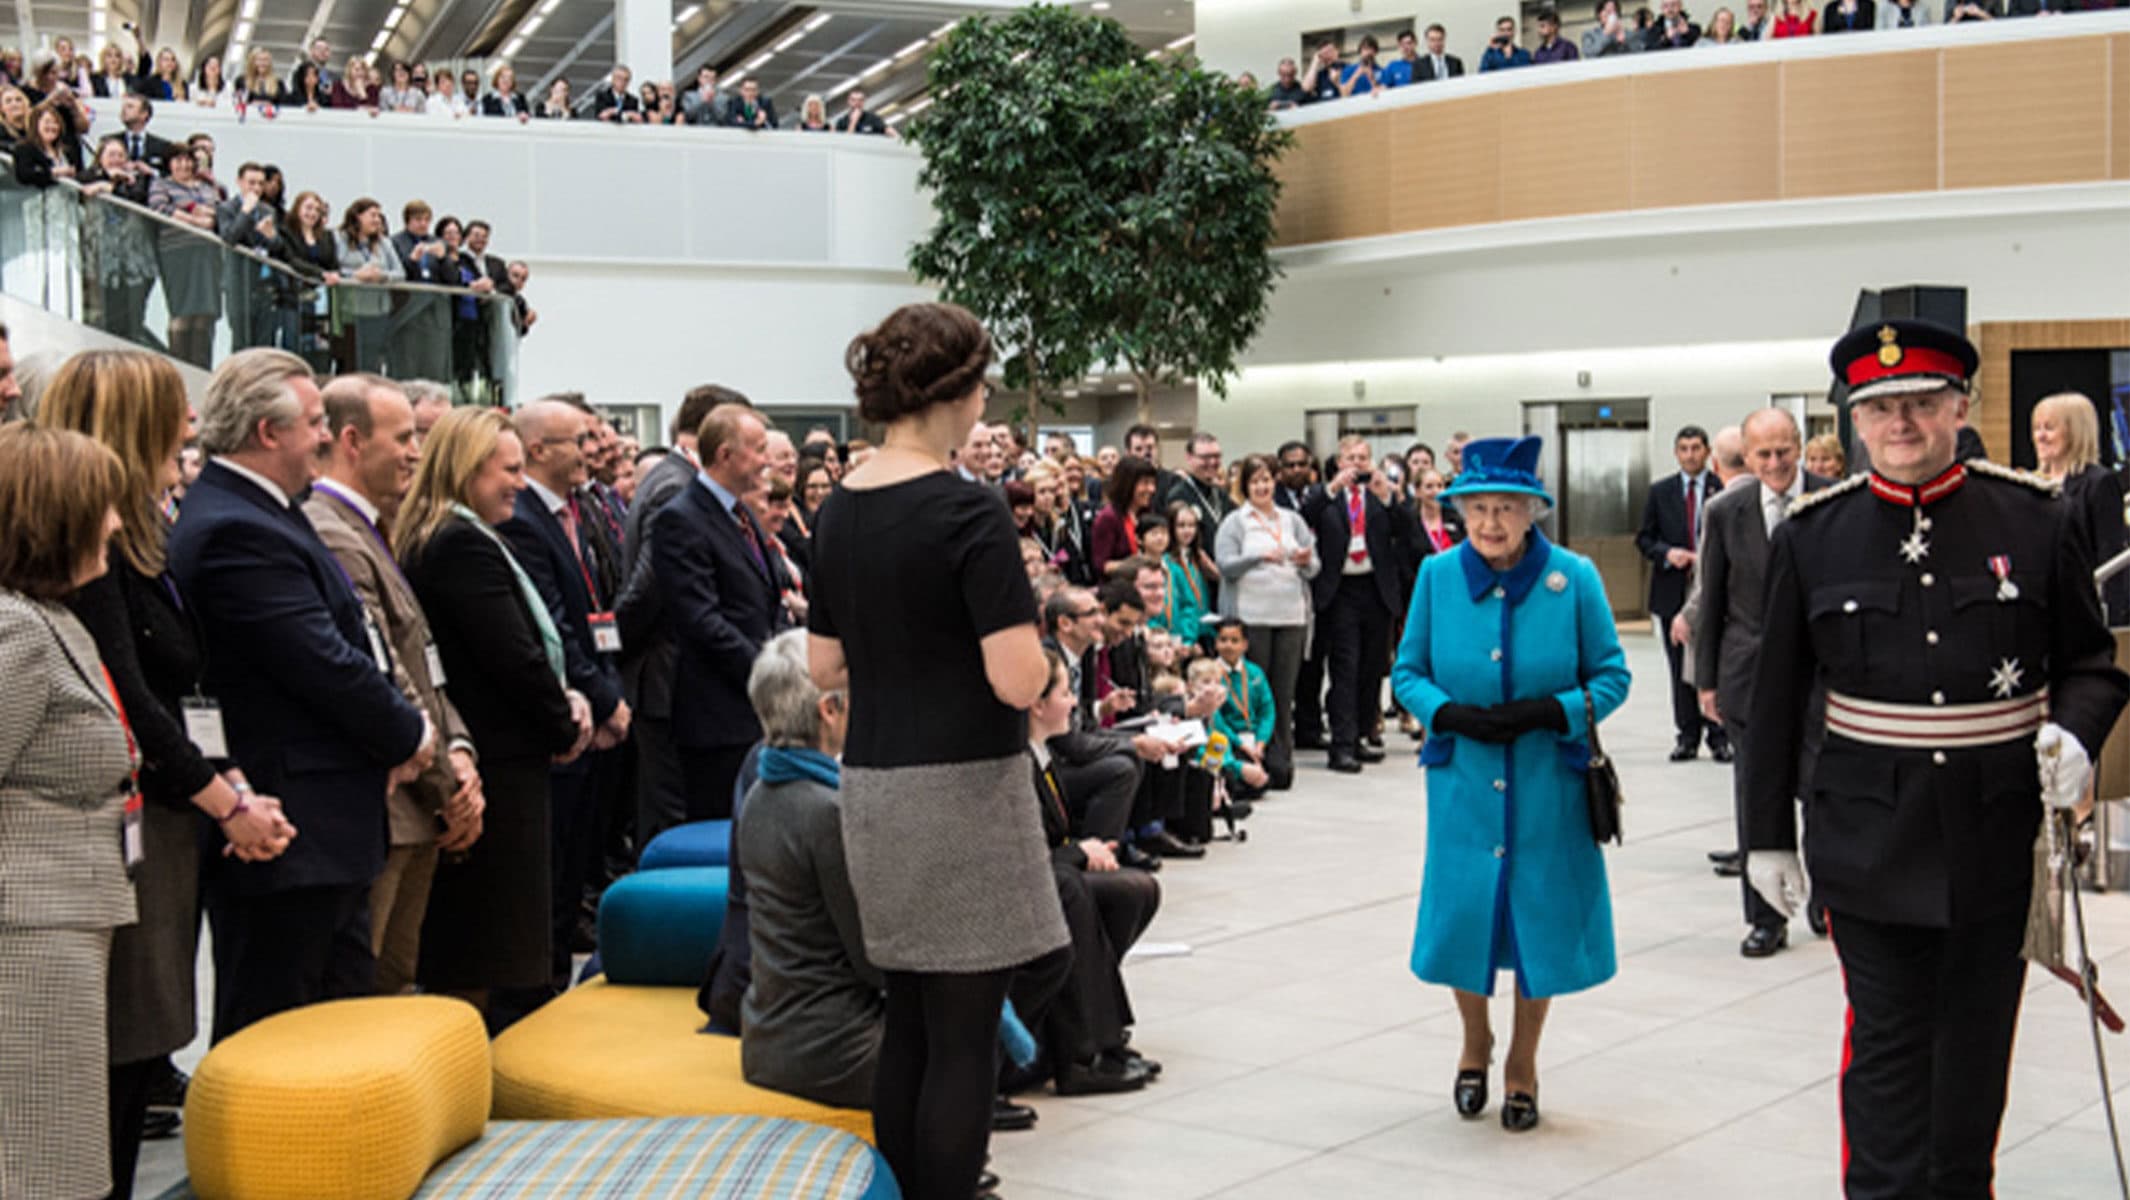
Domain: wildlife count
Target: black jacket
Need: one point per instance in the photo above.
(558, 571)
(724, 605)
(1390, 534)
(1664, 529)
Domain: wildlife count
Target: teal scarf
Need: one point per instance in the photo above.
(779, 764)
(550, 641)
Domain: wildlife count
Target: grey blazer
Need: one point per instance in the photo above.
(65, 771)
(1730, 578)
(647, 649)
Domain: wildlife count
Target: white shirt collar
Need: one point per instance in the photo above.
(1041, 752)
(554, 503)
(1796, 489)
(350, 496)
(267, 485)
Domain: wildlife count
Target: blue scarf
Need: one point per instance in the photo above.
(780, 765)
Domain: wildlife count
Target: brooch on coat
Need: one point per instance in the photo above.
(1556, 582)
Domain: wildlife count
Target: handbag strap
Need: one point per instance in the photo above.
(1597, 749)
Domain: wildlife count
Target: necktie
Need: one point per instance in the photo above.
(134, 151)
(1357, 522)
(1771, 514)
(1442, 70)
(754, 541)
(1693, 510)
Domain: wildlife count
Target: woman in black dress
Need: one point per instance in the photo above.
(921, 609)
(134, 403)
(488, 908)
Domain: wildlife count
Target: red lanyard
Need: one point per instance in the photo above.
(125, 726)
(1190, 579)
(575, 530)
(1241, 692)
(1357, 519)
(1279, 539)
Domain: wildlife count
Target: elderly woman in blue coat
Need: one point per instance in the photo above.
(1509, 644)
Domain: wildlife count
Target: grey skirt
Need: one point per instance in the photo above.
(949, 866)
(55, 1120)
(153, 962)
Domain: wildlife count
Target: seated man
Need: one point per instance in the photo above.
(1107, 906)
(1098, 768)
(814, 1009)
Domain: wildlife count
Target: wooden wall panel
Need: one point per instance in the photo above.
(1991, 410)
(2119, 107)
(1445, 165)
(1706, 137)
(1829, 149)
(2026, 113)
(1566, 149)
(1332, 179)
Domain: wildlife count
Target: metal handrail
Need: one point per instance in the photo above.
(2110, 569)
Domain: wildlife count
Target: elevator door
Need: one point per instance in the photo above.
(1596, 464)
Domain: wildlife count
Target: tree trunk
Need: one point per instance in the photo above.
(1144, 381)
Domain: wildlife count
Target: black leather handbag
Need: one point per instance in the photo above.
(1601, 784)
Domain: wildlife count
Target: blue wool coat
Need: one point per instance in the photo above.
(1513, 878)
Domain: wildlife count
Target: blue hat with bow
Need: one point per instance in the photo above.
(1500, 465)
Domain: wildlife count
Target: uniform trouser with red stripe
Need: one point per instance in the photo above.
(1931, 1016)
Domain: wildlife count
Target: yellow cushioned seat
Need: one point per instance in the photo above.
(605, 1050)
(350, 1100)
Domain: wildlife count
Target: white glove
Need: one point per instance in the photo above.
(1777, 875)
(2064, 766)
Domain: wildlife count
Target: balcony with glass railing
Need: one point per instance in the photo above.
(135, 274)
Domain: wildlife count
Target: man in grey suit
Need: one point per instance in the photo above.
(647, 632)
(362, 477)
(1726, 636)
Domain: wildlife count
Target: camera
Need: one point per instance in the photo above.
(1363, 476)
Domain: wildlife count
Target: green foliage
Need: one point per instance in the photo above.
(1094, 204)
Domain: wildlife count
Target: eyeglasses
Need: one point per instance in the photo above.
(1293, 464)
(582, 439)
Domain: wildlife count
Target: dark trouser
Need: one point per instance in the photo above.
(130, 1083)
(1159, 799)
(1686, 716)
(286, 949)
(1277, 651)
(1099, 795)
(1106, 911)
(709, 773)
(573, 829)
(1356, 632)
(661, 786)
(1932, 1013)
(937, 1075)
(1309, 691)
(1758, 912)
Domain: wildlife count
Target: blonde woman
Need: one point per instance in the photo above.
(813, 115)
(1825, 457)
(2066, 430)
(488, 924)
(167, 81)
(134, 404)
(259, 84)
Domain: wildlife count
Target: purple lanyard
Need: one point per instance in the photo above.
(333, 493)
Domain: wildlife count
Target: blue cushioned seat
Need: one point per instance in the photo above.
(683, 1158)
(660, 927)
(696, 844)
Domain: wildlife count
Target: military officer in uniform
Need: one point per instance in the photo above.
(1969, 682)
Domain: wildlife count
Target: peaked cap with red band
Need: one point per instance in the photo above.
(1899, 357)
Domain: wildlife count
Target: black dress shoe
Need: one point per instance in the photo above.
(158, 1124)
(1008, 1117)
(1722, 752)
(1168, 845)
(167, 1090)
(1765, 940)
(1730, 869)
(987, 1182)
(1132, 1057)
(1684, 752)
(1816, 917)
(1368, 754)
(1345, 764)
(1719, 857)
(1519, 1112)
(1308, 741)
(1470, 1093)
(1103, 1076)
(1129, 855)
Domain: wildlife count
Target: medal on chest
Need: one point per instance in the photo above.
(1915, 547)
(2000, 565)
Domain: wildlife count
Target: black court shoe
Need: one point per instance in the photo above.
(1519, 1112)
(1471, 1093)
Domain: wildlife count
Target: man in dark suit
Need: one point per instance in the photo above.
(613, 101)
(752, 110)
(1671, 528)
(1099, 769)
(494, 268)
(1356, 594)
(307, 704)
(854, 118)
(548, 535)
(647, 647)
(1436, 65)
(134, 112)
(1732, 574)
(724, 592)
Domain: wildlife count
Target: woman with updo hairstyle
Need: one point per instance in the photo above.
(923, 613)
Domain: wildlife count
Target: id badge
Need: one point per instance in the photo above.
(606, 635)
(1248, 740)
(377, 645)
(130, 834)
(203, 726)
(436, 664)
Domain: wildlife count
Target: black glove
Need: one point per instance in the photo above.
(1531, 716)
(1472, 721)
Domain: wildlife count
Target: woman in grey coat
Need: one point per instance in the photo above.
(811, 1021)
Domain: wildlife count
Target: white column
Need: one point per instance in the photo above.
(643, 39)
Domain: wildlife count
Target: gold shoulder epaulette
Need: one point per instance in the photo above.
(1826, 493)
(2047, 486)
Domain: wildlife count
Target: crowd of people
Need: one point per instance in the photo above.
(316, 81)
(1327, 76)
(304, 282)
